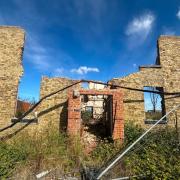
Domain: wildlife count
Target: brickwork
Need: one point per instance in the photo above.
(74, 111)
(74, 114)
(11, 70)
(167, 75)
(118, 116)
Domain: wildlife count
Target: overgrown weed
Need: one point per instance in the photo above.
(28, 154)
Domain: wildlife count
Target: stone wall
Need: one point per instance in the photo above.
(54, 109)
(166, 74)
(134, 100)
(169, 56)
(11, 70)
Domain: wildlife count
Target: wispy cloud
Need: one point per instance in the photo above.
(40, 62)
(88, 21)
(84, 70)
(178, 14)
(139, 28)
(168, 31)
(142, 24)
(44, 58)
(58, 72)
(36, 54)
(134, 65)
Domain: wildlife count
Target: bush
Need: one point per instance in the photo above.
(40, 151)
(105, 150)
(159, 156)
(155, 157)
(131, 132)
(9, 157)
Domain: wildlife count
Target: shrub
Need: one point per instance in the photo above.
(86, 116)
(159, 156)
(131, 132)
(9, 157)
(40, 151)
(105, 150)
(155, 157)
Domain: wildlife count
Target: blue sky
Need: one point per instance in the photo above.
(91, 39)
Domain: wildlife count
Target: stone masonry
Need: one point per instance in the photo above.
(11, 70)
(54, 109)
(165, 73)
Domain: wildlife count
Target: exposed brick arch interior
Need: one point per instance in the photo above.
(74, 111)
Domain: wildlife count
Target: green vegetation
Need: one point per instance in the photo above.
(86, 116)
(40, 152)
(156, 157)
(159, 158)
(9, 156)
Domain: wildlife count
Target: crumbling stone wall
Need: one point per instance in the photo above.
(165, 73)
(54, 109)
(169, 57)
(134, 100)
(11, 70)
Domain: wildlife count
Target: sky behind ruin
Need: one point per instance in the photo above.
(90, 39)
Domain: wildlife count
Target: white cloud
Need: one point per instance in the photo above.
(44, 58)
(36, 53)
(40, 61)
(58, 72)
(84, 70)
(138, 29)
(140, 25)
(178, 14)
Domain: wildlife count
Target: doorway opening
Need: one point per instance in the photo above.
(95, 115)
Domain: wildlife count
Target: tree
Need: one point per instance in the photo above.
(154, 98)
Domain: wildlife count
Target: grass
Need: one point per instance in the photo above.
(40, 152)
(153, 115)
(28, 154)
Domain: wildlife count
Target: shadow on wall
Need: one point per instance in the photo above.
(62, 120)
(62, 117)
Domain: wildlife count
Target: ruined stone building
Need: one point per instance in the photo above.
(11, 70)
(164, 74)
(64, 109)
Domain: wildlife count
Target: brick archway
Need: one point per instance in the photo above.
(74, 110)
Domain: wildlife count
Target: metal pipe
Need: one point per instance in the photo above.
(101, 173)
(130, 88)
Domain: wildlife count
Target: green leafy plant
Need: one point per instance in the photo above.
(159, 156)
(9, 157)
(156, 157)
(86, 116)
